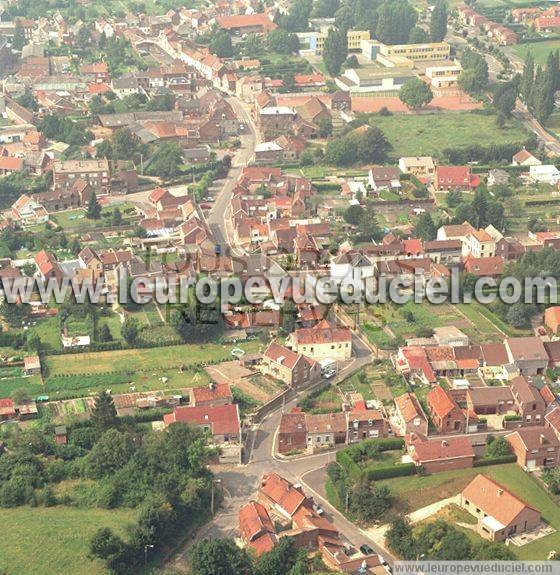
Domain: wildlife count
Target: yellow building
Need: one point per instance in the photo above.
(322, 341)
(314, 42)
(417, 52)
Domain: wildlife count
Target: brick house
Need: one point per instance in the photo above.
(491, 400)
(436, 455)
(288, 366)
(364, 423)
(528, 354)
(449, 178)
(292, 432)
(410, 416)
(94, 172)
(256, 528)
(446, 414)
(530, 404)
(280, 497)
(500, 514)
(325, 430)
(210, 396)
(222, 421)
(535, 447)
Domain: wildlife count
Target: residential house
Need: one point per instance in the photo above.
(436, 455)
(409, 415)
(525, 158)
(535, 447)
(281, 497)
(212, 395)
(490, 400)
(528, 354)
(256, 528)
(292, 432)
(326, 430)
(420, 166)
(323, 340)
(500, 513)
(221, 422)
(530, 404)
(294, 369)
(384, 178)
(460, 178)
(364, 423)
(446, 414)
(487, 266)
(239, 24)
(47, 266)
(27, 211)
(95, 173)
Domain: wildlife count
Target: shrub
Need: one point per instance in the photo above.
(495, 460)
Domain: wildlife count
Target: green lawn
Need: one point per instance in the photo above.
(54, 540)
(540, 50)
(429, 134)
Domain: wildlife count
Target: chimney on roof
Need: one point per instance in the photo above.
(500, 492)
(212, 385)
(542, 439)
(444, 443)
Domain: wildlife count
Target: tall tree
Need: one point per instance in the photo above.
(104, 414)
(212, 556)
(543, 95)
(438, 21)
(527, 79)
(221, 44)
(396, 18)
(93, 211)
(424, 228)
(335, 51)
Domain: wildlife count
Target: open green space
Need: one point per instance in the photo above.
(54, 540)
(540, 50)
(429, 134)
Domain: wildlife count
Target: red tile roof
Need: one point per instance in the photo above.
(494, 499)
(222, 419)
(409, 407)
(282, 493)
(246, 21)
(323, 332)
(254, 521)
(426, 450)
(212, 393)
(440, 401)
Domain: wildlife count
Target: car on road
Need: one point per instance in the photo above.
(318, 509)
(366, 549)
(330, 373)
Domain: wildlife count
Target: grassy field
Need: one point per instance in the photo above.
(132, 360)
(429, 134)
(540, 50)
(54, 540)
(415, 492)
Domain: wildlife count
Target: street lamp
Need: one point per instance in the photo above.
(146, 547)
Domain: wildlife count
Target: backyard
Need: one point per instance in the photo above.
(415, 492)
(54, 540)
(429, 134)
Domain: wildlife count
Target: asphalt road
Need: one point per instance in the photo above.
(217, 218)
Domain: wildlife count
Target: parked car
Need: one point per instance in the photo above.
(318, 509)
(366, 549)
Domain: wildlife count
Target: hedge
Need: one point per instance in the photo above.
(495, 460)
(350, 467)
(389, 471)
